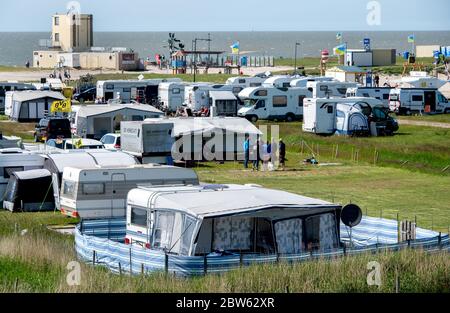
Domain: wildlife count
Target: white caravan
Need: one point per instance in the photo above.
(196, 96)
(327, 89)
(223, 103)
(171, 95)
(381, 93)
(101, 192)
(11, 86)
(270, 103)
(303, 81)
(16, 160)
(245, 82)
(143, 91)
(405, 101)
(244, 219)
(280, 81)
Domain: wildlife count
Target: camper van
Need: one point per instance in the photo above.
(196, 96)
(241, 219)
(171, 96)
(245, 82)
(143, 91)
(303, 81)
(327, 89)
(405, 101)
(381, 93)
(11, 86)
(279, 81)
(14, 160)
(347, 116)
(270, 103)
(101, 192)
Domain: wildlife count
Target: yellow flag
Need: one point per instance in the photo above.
(78, 144)
(64, 106)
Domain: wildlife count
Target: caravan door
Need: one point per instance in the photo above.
(55, 182)
(430, 101)
(118, 200)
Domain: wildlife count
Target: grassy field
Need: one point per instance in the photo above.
(440, 118)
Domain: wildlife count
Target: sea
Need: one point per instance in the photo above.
(16, 48)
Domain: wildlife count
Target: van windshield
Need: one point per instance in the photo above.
(249, 102)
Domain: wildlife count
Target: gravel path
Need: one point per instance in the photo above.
(423, 123)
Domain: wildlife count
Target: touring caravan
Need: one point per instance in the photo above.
(405, 101)
(270, 103)
(381, 93)
(279, 81)
(245, 82)
(327, 89)
(303, 81)
(101, 192)
(171, 95)
(347, 116)
(11, 86)
(223, 103)
(243, 219)
(197, 95)
(15, 160)
(143, 91)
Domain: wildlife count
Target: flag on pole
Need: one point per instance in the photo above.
(235, 48)
(340, 50)
(411, 39)
(338, 36)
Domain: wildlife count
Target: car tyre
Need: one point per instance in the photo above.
(253, 118)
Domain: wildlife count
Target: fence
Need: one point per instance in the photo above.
(99, 242)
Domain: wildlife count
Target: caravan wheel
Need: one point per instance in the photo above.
(290, 117)
(253, 118)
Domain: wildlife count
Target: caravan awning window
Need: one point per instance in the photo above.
(164, 222)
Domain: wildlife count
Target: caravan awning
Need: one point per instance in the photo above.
(222, 95)
(95, 110)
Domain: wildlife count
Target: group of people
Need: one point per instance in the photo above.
(266, 153)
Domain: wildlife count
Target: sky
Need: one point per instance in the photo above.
(234, 15)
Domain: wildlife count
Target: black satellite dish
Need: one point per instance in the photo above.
(351, 215)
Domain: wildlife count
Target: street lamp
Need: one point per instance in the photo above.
(295, 59)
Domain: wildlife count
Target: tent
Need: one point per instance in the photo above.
(350, 120)
(94, 121)
(29, 191)
(29, 106)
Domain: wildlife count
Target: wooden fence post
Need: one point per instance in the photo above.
(93, 258)
(166, 263)
(337, 151)
(120, 269)
(131, 264)
(205, 265)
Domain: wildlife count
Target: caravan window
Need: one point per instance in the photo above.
(300, 100)
(176, 91)
(241, 81)
(279, 101)
(323, 88)
(417, 98)
(386, 96)
(286, 85)
(93, 188)
(139, 217)
(261, 93)
(68, 188)
(187, 233)
(7, 171)
(164, 222)
(237, 89)
(329, 109)
(320, 232)
(342, 90)
(126, 89)
(110, 86)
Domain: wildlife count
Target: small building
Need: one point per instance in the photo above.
(29, 106)
(369, 58)
(347, 74)
(426, 51)
(94, 121)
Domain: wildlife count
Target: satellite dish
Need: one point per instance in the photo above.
(351, 215)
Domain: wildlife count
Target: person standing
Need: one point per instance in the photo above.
(377, 81)
(256, 155)
(282, 154)
(246, 151)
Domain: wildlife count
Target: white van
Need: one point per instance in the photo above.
(327, 89)
(270, 103)
(381, 93)
(280, 81)
(171, 95)
(101, 192)
(245, 82)
(196, 96)
(417, 100)
(303, 81)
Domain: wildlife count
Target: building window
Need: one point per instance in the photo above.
(56, 37)
(56, 20)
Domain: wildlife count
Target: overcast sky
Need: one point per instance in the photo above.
(233, 15)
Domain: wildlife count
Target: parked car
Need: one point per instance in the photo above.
(51, 128)
(86, 95)
(111, 141)
(75, 143)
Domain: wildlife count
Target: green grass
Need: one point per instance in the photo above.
(440, 118)
(10, 128)
(4, 68)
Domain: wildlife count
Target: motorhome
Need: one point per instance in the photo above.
(347, 116)
(14, 160)
(280, 81)
(381, 93)
(171, 96)
(143, 91)
(242, 219)
(196, 96)
(11, 86)
(327, 89)
(270, 103)
(406, 101)
(303, 81)
(101, 192)
(245, 82)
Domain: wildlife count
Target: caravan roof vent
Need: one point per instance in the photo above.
(253, 185)
(215, 187)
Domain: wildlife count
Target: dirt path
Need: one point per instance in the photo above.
(423, 123)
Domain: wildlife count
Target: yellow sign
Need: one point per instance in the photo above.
(64, 106)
